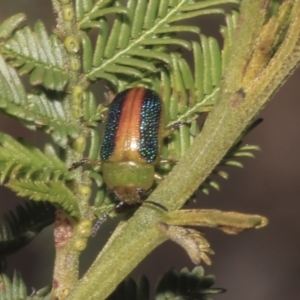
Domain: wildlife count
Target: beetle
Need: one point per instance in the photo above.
(132, 143)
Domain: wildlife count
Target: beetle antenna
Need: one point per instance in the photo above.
(99, 222)
(143, 201)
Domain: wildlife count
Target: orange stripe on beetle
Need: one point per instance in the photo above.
(128, 134)
(132, 143)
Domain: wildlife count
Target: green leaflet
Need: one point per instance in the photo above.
(180, 28)
(53, 191)
(91, 113)
(51, 116)
(106, 11)
(152, 54)
(86, 10)
(228, 35)
(22, 160)
(40, 55)
(34, 110)
(12, 91)
(10, 24)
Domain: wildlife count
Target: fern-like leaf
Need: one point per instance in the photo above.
(136, 43)
(20, 228)
(53, 191)
(51, 116)
(191, 91)
(188, 93)
(34, 174)
(35, 110)
(40, 55)
(232, 159)
(186, 285)
(17, 290)
(22, 160)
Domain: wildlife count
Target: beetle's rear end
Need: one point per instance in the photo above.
(132, 143)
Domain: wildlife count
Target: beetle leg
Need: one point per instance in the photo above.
(168, 161)
(157, 205)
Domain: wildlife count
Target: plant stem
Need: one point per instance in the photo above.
(66, 261)
(70, 240)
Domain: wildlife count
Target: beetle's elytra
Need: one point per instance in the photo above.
(132, 142)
